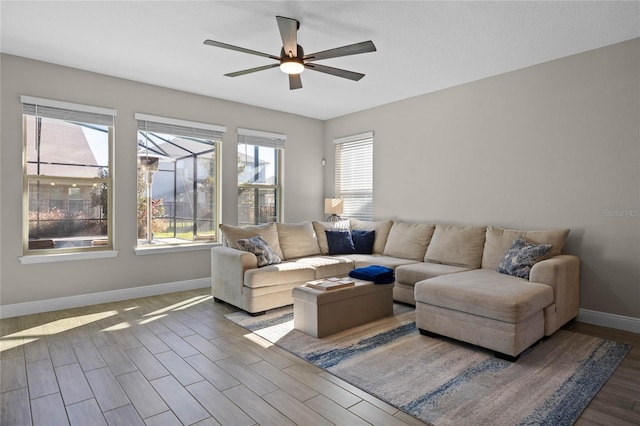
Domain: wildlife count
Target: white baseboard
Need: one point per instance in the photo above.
(8, 311)
(609, 320)
(28, 308)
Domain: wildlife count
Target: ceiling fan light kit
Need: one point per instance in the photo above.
(293, 61)
(292, 66)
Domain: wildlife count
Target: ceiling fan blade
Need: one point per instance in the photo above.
(239, 49)
(295, 82)
(289, 34)
(355, 76)
(352, 49)
(250, 70)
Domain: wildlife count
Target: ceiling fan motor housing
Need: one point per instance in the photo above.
(299, 54)
(293, 63)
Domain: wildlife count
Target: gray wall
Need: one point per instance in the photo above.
(303, 173)
(553, 145)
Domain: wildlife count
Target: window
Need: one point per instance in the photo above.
(67, 179)
(178, 175)
(354, 175)
(259, 176)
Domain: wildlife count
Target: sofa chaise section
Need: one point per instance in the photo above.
(485, 308)
(498, 311)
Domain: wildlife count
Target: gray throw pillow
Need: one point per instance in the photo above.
(256, 245)
(521, 256)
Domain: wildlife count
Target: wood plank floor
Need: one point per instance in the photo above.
(174, 360)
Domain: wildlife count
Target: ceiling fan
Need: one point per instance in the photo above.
(292, 59)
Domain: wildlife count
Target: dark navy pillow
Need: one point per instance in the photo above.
(340, 242)
(363, 241)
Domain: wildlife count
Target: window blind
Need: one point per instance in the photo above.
(173, 126)
(265, 139)
(354, 175)
(68, 111)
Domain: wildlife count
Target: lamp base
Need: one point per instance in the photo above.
(334, 218)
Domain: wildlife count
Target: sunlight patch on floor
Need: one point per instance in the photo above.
(176, 306)
(258, 340)
(151, 319)
(51, 328)
(197, 302)
(274, 333)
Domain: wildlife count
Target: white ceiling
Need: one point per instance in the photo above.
(423, 46)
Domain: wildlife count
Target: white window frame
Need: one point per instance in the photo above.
(354, 175)
(266, 140)
(61, 110)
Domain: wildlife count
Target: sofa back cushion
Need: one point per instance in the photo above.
(408, 240)
(320, 227)
(297, 240)
(381, 227)
(500, 239)
(457, 245)
(267, 231)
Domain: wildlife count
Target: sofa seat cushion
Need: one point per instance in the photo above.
(281, 273)
(271, 289)
(411, 274)
(485, 293)
(328, 266)
(362, 260)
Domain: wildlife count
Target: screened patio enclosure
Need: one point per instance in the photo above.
(183, 188)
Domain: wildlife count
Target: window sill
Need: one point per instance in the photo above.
(160, 249)
(64, 257)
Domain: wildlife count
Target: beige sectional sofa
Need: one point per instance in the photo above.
(449, 272)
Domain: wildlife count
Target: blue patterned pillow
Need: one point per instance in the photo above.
(521, 256)
(263, 251)
(340, 242)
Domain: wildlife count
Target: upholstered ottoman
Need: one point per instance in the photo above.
(321, 313)
(485, 308)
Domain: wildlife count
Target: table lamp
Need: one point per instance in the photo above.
(333, 207)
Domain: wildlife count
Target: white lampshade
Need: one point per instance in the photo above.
(333, 206)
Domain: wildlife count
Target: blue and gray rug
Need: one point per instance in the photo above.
(445, 382)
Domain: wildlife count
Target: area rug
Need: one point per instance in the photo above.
(446, 382)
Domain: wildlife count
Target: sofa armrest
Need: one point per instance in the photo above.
(227, 273)
(562, 273)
